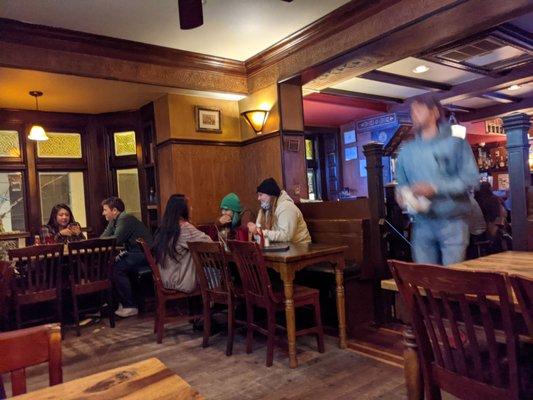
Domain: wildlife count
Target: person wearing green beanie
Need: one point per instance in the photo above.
(233, 217)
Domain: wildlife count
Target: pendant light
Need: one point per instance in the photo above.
(37, 132)
(458, 130)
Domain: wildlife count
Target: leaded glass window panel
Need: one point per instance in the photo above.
(9, 144)
(125, 144)
(60, 145)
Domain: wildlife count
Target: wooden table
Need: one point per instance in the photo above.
(510, 262)
(299, 256)
(147, 380)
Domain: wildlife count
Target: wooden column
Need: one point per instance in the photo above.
(516, 128)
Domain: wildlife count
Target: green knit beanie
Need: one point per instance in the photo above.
(231, 202)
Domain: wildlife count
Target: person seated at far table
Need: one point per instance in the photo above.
(126, 229)
(233, 221)
(279, 218)
(62, 225)
(170, 246)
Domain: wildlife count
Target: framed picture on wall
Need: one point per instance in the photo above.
(207, 119)
(349, 137)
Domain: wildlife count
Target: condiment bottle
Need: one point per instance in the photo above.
(36, 240)
(261, 237)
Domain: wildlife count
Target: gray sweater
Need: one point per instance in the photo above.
(180, 273)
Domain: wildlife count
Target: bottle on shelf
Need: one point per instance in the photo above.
(151, 196)
(37, 240)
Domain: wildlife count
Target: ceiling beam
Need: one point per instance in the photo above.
(358, 95)
(394, 79)
(525, 106)
(500, 97)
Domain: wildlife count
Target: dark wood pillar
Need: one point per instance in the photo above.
(516, 128)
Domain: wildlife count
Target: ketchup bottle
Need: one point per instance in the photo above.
(261, 236)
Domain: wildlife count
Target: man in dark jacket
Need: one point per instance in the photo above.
(126, 229)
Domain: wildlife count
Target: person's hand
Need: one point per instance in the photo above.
(252, 228)
(224, 219)
(75, 229)
(65, 232)
(423, 189)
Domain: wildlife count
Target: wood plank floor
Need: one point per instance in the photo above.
(336, 374)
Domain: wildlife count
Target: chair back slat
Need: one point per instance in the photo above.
(437, 298)
(156, 274)
(90, 260)
(211, 267)
(27, 347)
(39, 268)
(523, 290)
(252, 269)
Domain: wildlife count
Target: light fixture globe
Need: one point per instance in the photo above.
(37, 133)
(256, 119)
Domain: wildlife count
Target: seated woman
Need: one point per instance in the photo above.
(279, 218)
(233, 221)
(62, 226)
(170, 246)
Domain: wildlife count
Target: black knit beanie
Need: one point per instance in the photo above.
(269, 186)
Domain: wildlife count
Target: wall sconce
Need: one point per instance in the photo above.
(37, 132)
(256, 119)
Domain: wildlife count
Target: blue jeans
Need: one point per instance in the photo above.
(127, 264)
(439, 241)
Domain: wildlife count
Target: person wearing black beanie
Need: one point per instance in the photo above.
(279, 218)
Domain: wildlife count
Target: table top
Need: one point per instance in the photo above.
(304, 251)
(147, 380)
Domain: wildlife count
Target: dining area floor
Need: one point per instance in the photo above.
(336, 374)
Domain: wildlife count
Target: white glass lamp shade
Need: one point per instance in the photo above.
(459, 131)
(37, 133)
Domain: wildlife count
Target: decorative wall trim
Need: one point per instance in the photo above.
(229, 143)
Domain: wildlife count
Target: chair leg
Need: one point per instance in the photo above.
(111, 307)
(207, 321)
(320, 329)
(76, 314)
(231, 328)
(249, 328)
(161, 308)
(271, 321)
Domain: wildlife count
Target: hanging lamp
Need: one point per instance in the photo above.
(458, 130)
(37, 132)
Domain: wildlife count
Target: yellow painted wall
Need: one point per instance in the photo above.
(263, 99)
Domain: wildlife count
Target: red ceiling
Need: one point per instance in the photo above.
(327, 110)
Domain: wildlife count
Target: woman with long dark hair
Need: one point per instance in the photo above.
(170, 246)
(62, 225)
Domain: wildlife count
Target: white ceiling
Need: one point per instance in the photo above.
(436, 73)
(68, 93)
(378, 88)
(475, 102)
(524, 91)
(236, 29)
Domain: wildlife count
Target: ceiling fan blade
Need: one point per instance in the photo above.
(191, 15)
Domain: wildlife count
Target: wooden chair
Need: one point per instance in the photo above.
(6, 275)
(215, 284)
(40, 278)
(163, 295)
(258, 292)
(27, 347)
(461, 358)
(523, 289)
(90, 272)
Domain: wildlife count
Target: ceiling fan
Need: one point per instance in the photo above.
(191, 14)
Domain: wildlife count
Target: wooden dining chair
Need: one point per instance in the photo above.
(90, 272)
(523, 290)
(457, 355)
(39, 278)
(258, 292)
(163, 295)
(215, 284)
(6, 275)
(27, 347)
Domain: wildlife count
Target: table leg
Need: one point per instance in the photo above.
(412, 372)
(287, 276)
(341, 310)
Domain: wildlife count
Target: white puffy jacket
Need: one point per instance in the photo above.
(289, 225)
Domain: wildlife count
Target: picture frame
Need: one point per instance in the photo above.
(208, 119)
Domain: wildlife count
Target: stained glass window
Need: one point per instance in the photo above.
(309, 153)
(60, 145)
(9, 144)
(124, 143)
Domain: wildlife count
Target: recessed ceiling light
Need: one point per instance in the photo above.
(421, 69)
(514, 87)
